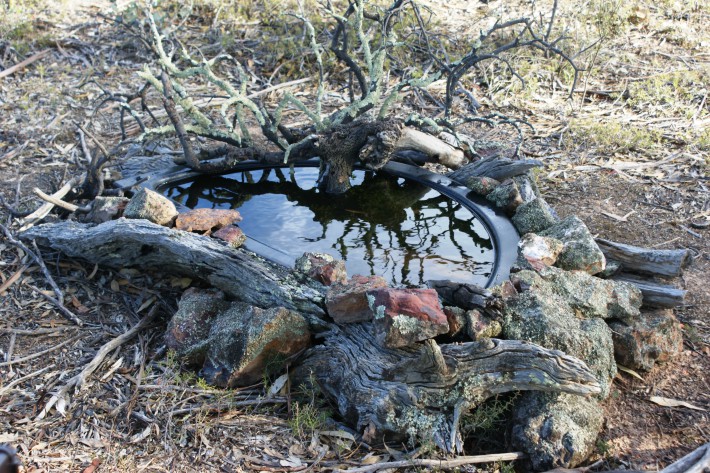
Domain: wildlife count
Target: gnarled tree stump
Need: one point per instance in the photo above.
(422, 391)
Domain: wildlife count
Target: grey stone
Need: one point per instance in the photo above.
(482, 185)
(655, 336)
(104, 209)
(150, 205)
(533, 217)
(540, 315)
(539, 252)
(580, 251)
(555, 430)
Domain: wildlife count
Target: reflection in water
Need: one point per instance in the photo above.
(383, 225)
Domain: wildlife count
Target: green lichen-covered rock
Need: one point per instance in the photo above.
(506, 196)
(588, 295)
(580, 251)
(555, 430)
(479, 326)
(540, 315)
(655, 336)
(533, 217)
(482, 185)
(188, 330)
(245, 340)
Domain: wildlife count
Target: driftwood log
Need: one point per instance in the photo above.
(666, 263)
(495, 168)
(655, 294)
(145, 245)
(421, 392)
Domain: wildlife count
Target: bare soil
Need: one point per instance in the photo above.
(628, 154)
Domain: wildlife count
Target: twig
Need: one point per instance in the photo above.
(37, 256)
(40, 353)
(439, 464)
(7, 388)
(78, 380)
(12, 279)
(25, 63)
(44, 209)
(55, 201)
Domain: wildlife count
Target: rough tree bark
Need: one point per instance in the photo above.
(422, 391)
(142, 244)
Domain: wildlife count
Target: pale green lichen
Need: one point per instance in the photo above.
(405, 324)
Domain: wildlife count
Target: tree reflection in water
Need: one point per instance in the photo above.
(383, 225)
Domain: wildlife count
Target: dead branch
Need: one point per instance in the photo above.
(437, 464)
(37, 257)
(59, 398)
(21, 65)
(55, 201)
(39, 214)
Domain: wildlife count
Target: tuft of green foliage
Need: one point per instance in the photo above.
(611, 136)
(489, 415)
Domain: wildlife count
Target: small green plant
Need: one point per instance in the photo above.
(307, 418)
(611, 136)
(488, 415)
(603, 447)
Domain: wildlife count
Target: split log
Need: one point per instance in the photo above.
(422, 391)
(667, 263)
(655, 294)
(495, 168)
(145, 245)
(444, 153)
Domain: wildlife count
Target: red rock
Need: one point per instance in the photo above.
(323, 268)
(231, 234)
(347, 303)
(206, 220)
(407, 316)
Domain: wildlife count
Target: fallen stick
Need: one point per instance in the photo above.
(25, 63)
(7, 388)
(39, 353)
(78, 380)
(54, 200)
(12, 279)
(47, 207)
(37, 256)
(439, 464)
(667, 263)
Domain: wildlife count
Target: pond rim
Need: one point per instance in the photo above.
(503, 234)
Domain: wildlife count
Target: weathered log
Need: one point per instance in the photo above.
(142, 244)
(655, 294)
(495, 168)
(667, 263)
(463, 295)
(441, 151)
(422, 391)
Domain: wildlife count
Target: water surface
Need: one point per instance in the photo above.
(392, 227)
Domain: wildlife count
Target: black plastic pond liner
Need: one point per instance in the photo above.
(502, 232)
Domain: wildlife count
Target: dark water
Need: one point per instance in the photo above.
(392, 227)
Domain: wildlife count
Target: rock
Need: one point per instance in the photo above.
(482, 185)
(480, 326)
(233, 235)
(323, 268)
(640, 343)
(580, 251)
(539, 252)
(347, 303)
(612, 267)
(150, 205)
(456, 317)
(407, 316)
(555, 430)
(206, 220)
(104, 209)
(245, 341)
(539, 314)
(588, 295)
(189, 328)
(533, 217)
(506, 196)
(527, 188)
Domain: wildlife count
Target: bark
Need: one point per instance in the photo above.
(655, 294)
(667, 263)
(422, 391)
(495, 168)
(145, 245)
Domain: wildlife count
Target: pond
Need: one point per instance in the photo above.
(384, 225)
